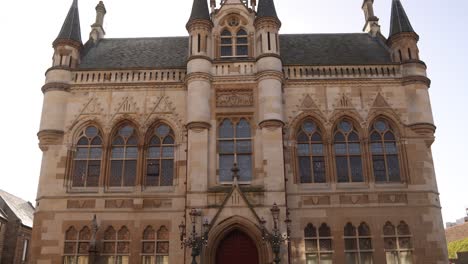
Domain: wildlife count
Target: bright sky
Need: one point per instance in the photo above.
(28, 28)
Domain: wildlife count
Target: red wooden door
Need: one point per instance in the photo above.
(237, 248)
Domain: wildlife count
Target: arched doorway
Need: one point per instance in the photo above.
(237, 247)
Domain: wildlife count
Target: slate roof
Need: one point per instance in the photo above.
(399, 20)
(21, 208)
(71, 29)
(299, 49)
(200, 10)
(266, 8)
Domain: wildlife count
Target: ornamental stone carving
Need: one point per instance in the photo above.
(234, 98)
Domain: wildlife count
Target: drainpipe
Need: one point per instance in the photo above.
(285, 190)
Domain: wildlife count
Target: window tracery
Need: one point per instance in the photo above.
(76, 248)
(124, 155)
(87, 158)
(358, 244)
(116, 249)
(311, 153)
(155, 246)
(318, 245)
(160, 157)
(384, 151)
(347, 147)
(398, 243)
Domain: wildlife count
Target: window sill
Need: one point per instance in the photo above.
(314, 186)
(390, 185)
(159, 189)
(121, 189)
(352, 185)
(83, 189)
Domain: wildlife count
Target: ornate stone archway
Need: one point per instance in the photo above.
(226, 227)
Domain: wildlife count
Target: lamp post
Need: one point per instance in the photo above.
(194, 240)
(275, 238)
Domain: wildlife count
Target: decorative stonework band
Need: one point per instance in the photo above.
(198, 126)
(416, 79)
(269, 75)
(197, 76)
(271, 124)
(194, 57)
(50, 137)
(63, 87)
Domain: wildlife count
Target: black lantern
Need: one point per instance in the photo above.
(275, 238)
(194, 241)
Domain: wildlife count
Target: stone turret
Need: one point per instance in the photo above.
(403, 40)
(97, 29)
(372, 22)
(267, 25)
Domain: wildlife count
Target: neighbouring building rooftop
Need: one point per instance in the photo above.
(21, 208)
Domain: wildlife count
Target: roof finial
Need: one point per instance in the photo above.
(97, 29)
(71, 29)
(372, 22)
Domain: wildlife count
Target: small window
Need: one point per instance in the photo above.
(160, 157)
(87, 158)
(124, 157)
(310, 153)
(358, 244)
(76, 248)
(318, 245)
(347, 147)
(235, 146)
(226, 44)
(116, 246)
(384, 150)
(155, 248)
(234, 44)
(398, 244)
(242, 44)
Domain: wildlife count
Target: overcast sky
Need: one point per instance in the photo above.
(28, 28)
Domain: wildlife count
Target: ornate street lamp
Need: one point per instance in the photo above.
(194, 241)
(275, 238)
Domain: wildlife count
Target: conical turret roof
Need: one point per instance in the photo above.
(71, 29)
(399, 21)
(200, 10)
(266, 8)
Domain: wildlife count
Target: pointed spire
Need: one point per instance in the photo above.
(71, 30)
(266, 8)
(200, 10)
(399, 20)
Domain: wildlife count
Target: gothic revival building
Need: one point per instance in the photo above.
(332, 130)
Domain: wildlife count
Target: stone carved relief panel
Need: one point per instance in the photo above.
(354, 199)
(119, 203)
(81, 204)
(157, 203)
(390, 198)
(234, 98)
(315, 200)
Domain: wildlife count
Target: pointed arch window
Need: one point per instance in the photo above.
(347, 148)
(116, 249)
(358, 244)
(384, 150)
(124, 157)
(160, 157)
(76, 249)
(87, 159)
(235, 146)
(310, 152)
(234, 43)
(155, 248)
(398, 243)
(318, 245)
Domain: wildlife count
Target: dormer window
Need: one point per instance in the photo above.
(234, 43)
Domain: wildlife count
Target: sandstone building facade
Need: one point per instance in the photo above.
(336, 129)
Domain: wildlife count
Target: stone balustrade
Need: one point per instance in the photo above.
(341, 72)
(129, 76)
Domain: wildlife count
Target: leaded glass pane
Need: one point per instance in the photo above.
(316, 137)
(403, 229)
(406, 257)
(130, 172)
(154, 152)
(350, 244)
(94, 170)
(379, 168)
(310, 231)
(91, 131)
(390, 243)
(242, 41)
(118, 141)
(226, 33)
(393, 168)
(162, 247)
(340, 149)
(319, 170)
(148, 259)
(366, 258)
(168, 152)
(392, 257)
(365, 244)
(312, 259)
(317, 149)
(169, 141)
(226, 162)
(391, 148)
(95, 153)
(243, 129)
(345, 126)
(354, 149)
(162, 260)
(152, 173)
(96, 141)
(325, 244)
(339, 137)
(83, 141)
(69, 260)
(123, 247)
(226, 147)
(126, 131)
(309, 127)
(380, 126)
(110, 234)
(132, 153)
(389, 229)
(244, 147)
(241, 32)
(148, 248)
(351, 258)
(342, 169)
(118, 153)
(226, 41)
(70, 248)
(302, 138)
(305, 169)
(109, 247)
(377, 148)
(353, 137)
(349, 230)
(364, 230)
(375, 137)
(226, 51)
(356, 169)
(132, 141)
(389, 136)
(83, 248)
(311, 245)
(226, 130)
(167, 172)
(149, 234)
(81, 153)
(79, 173)
(71, 234)
(162, 131)
(155, 141)
(242, 50)
(303, 150)
(324, 231)
(124, 234)
(245, 167)
(163, 233)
